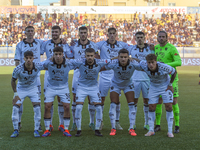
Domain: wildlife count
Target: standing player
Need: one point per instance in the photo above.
(168, 54)
(88, 86)
(27, 74)
(57, 85)
(28, 44)
(160, 85)
(79, 53)
(123, 71)
(109, 49)
(48, 47)
(140, 79)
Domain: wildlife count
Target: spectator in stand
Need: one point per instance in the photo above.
(54, 16)
(196, 17)
(76, 15)
(163, 16)
(140, 17)
(67, 16)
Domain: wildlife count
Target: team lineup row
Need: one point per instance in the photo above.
(85, 76)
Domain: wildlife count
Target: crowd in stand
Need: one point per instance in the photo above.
(12, 27)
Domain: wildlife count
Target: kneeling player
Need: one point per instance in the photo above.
(160, 85)
(57, 85)
(123, 71)
(27, 74)
(88, 86)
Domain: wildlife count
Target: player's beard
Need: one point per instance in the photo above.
(162, 41)
(55, 37)
(83, 38)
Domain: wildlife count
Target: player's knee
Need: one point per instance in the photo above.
(145, 100)
(47, 106)
(175, 100)
(152, 107)
(66, 106)
(168, 107)
(135, 100)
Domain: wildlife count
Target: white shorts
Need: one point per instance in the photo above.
(104, 84)
(141, 86)
(92, 91)
(75, 80)
(154, 95)
(126, 89)
(32, 93)
(62, 93)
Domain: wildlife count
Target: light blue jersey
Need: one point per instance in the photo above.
(139, 53)
(27, 79)
(160, 78)
(122, 75)
(89, 73)
(24, 46)
(49, 45)
(58, 74)
(78, 49)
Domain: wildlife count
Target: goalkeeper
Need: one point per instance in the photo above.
(168, 54)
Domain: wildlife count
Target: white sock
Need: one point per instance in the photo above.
(170, 119)
(146, 110)
(47, 122)
(98, 116)
(51, 111)
(66, 123)
(131, 114)
(73, 111)
(37, 116)
(102, 107)
(135, 112)
(78, 115)
(91, 109)
(112, 114)
(15, 117)
(118, 106)
(60, 113)
(20, 112)
(151, 119)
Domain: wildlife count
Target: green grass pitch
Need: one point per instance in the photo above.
(188, 138)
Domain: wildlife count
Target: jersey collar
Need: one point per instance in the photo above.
(110, 43)
(145, 46)
(24, 40)
(79, 43)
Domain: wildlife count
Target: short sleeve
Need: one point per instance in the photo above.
(111, 65)
(137, 65)
(99, 44)
(15, 73)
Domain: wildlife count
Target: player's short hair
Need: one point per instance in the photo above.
(56, 27)
(83, 28)
(140, 32)
(151, 57)
(163, 32)
(110, 29)
(58, 49)
(28, 53)
(123, 51)
(89, 50)
(29, 27)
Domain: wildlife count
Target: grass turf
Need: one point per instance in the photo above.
(188, 138)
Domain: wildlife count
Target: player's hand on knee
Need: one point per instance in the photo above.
(15, 99)
(170, 88)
